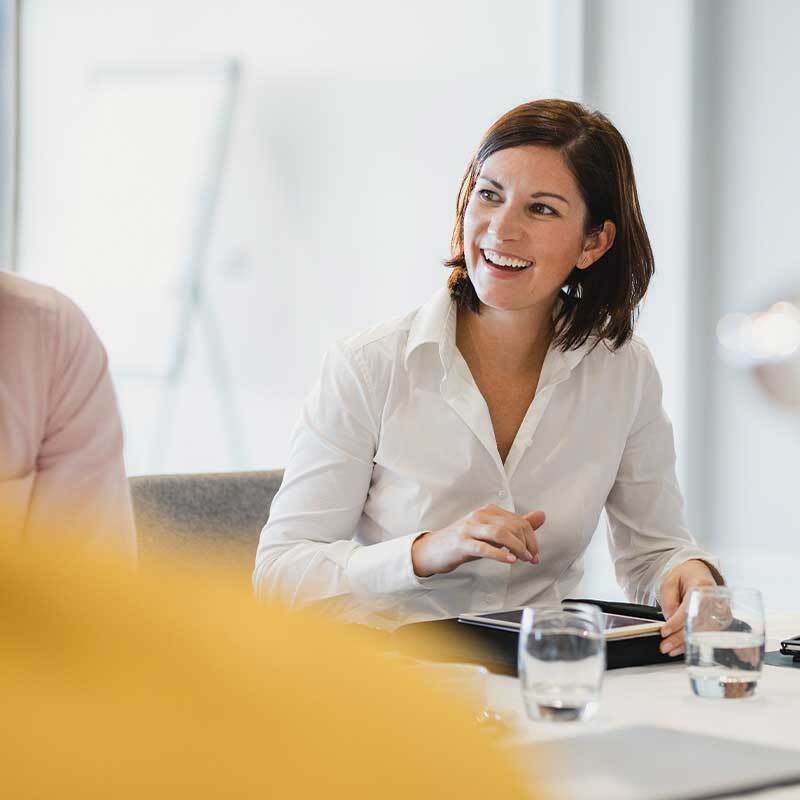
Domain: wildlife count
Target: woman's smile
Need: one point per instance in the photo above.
(504, 259)
(503, 266)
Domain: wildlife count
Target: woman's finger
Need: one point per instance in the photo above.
(670, 598)
(502, 537)
(676, 622)
(673, 645)
(506, 529)
(481, 549)
(535, 518)
(530, 542)
(672, 630)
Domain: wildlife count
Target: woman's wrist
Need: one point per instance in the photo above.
(418, 568)
(715, 573)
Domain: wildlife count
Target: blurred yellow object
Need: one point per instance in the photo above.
(178, 685)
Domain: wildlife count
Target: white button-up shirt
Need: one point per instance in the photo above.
(396, 439)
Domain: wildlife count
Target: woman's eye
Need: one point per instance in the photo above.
(541, 208)
(484, 194)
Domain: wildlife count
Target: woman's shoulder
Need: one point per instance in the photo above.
(381, 336)
(394, 338)
(382, 344)
(376, 354)
(631, 354)
(630, 366)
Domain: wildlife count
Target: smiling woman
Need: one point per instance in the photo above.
(458, 459)
(583, 188)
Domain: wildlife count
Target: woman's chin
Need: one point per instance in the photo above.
(515, 295)
(502, 298)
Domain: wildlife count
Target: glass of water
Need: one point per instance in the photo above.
(724, 641)
(561, 661)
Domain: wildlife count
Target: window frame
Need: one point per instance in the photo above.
(9, 129)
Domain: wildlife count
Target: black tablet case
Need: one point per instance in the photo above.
(497, 649)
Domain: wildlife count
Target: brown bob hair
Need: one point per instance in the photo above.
(602, 300)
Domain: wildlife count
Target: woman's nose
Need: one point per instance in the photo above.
(505, 224)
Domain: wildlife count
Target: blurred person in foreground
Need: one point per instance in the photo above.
(176, 684)
(458, 459)
(61, 467)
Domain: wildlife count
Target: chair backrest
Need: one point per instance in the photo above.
(215, 515)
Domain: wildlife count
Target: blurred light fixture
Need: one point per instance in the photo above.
(767, 343)
(764, 336)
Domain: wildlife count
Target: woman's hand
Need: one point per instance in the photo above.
(488, 532)
(674, 597)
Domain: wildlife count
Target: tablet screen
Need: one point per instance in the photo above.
(613, 621)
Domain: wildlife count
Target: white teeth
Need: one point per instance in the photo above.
(504, 261)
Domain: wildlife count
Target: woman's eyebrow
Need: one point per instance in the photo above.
(535, 194)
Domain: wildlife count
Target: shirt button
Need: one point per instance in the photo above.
(502, 493)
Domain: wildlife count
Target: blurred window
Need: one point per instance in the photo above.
(8, 129)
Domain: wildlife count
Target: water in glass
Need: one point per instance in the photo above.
(561, 663)
(724, 641)
(724, 664)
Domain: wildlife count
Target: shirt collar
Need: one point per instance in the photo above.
(435, 323)
(559, 364)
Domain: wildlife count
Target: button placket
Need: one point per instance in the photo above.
(528, 428)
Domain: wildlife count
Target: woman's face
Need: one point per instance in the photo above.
(524, 228)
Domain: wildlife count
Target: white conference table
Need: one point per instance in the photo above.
(660, 695)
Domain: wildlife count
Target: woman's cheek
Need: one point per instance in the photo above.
(473, 219)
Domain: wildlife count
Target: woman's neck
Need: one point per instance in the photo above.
(509, 342)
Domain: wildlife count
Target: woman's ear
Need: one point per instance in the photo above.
(597, 244)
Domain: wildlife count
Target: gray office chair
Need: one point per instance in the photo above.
(216, 516)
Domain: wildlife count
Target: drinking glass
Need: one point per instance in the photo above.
(724, 641)
(561, 661)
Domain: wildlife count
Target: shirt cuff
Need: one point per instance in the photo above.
(384, 568)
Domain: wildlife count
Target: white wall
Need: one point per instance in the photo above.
(753, 510)
(637, 72)
(355, 124)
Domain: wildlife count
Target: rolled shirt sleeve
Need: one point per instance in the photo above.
(648, 534)
(307, 550)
